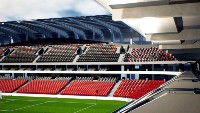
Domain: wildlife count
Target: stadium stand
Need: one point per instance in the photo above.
(87, 53)
(145, 43)
(100, 53)
(22, 54)
(136, 88)
(44, 85)
(147, 55)
(88, 87)
(59, 53)
(8, 84)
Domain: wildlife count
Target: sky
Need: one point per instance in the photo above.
(12, 10)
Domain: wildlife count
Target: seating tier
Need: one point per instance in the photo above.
(100, 53)
(22, 54)
(43, 86)
(136, 88)
(9, 85)
(88, 88)
(60, 53)
(147, 55)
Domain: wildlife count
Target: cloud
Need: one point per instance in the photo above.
(38, 9)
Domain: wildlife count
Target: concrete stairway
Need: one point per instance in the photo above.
(114, 89)
(36, 59)
(76, 58)
(22, 86)
(121, 58)
(2, 58)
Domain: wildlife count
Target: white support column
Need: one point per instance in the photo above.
(36, 67)
(25, 75)
(137, 75)
(11, 40)
(123, 75)
(13, 75)
(131, 41)
(198, 66)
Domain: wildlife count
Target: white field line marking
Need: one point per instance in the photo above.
(8, 101)
(85, 108)
(29, 106)
(73, 102)
(93, 104)
(31, 100)
(79, 103)
(26, 107)
(52, 101)
(4, 110)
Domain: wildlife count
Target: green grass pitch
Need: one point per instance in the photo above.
(11, 104)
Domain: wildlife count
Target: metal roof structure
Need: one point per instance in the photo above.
(97, 28)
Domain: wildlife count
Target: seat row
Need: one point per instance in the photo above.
(82, 86)
(100, 53)
(147, 55)
(136, 88)
(43, 86)
(10, 85)
(88, 88)
(22, 54)
(59, 53)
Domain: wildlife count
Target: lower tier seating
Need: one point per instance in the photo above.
(43, 86)
(9, 85)
(136, 88)
(88, 88)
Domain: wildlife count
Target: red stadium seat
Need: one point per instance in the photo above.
(136, 88)
(43, 86)
(88, 88)
(9, 86)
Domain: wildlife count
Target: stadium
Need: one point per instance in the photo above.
(141, 57)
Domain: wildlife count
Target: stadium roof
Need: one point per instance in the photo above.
(98, 28)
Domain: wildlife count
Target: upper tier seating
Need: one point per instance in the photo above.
(2, 50)
(10, 85)
(42, 86)
(22, 54)
(60, 53)
(100, 53)
(88, 87)
(136, 88)
(147, 55)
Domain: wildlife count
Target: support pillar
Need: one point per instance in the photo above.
(26, 37)
(13, 75)
(131, 41)
(11, 40)
(86, 67)
(25, 75)
(76, 36)
(93, 36)
(153, 76)
(123, 75)
(99, 67)
(174, 67)
(137, 75)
